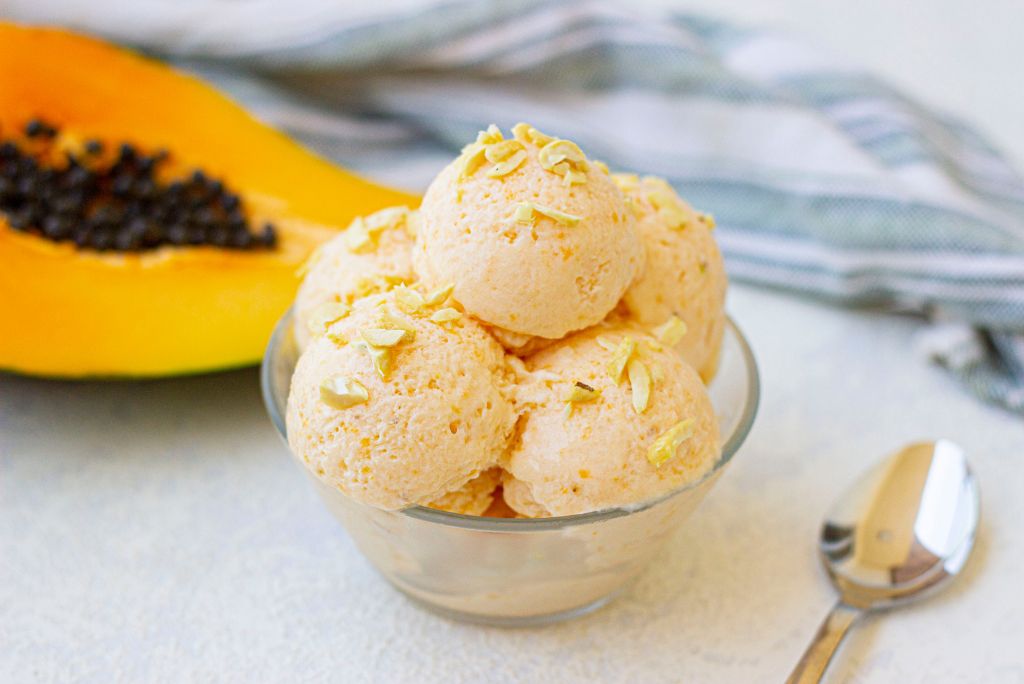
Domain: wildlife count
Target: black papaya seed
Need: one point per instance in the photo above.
(119, 203)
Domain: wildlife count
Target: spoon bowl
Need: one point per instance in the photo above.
(903, 531)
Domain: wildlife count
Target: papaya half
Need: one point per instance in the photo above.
(149, 226)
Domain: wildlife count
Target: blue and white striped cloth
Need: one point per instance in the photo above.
(824, 180)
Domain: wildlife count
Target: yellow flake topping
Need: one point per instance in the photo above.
(503, 168)
(640, 384)
(363, 233)
(490, 146)
(500, 151)
(539, 139)
(379, 343)
(666, 446)
(527, 133)
(409, 300)
(556, 152)
(325, 314)
(382, 358)
(379, 282)
(382, 337)
(657, 373)
(446, 315)
(620, 357)
(675, 218)
(708, 220)
(490, 136)
(601, 166)
(604, 343)
(342, 392)
(472, 159)
(556, 215)
(573, 177)
(414, 302)
(626, 182)
(581, 393)
(649, 345)
(664, 199)
(671, 331)
(561, 168)
(523, 213)
(439, 295)
(626, 361)
(392, 322)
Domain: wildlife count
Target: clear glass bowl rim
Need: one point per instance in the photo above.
(276, 407)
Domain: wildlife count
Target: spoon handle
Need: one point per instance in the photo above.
(816, 658)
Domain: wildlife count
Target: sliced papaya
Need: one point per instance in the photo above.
(181, 251)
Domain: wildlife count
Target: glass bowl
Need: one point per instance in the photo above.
(520, 572)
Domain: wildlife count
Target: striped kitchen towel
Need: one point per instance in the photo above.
(823, 179)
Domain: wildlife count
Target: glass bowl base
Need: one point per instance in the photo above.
(512, 621)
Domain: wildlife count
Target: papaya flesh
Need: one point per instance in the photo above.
(72, 311)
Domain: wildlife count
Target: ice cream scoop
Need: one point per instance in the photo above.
(536, 238)
(683, 277)
(372, 255)
(402, 400)
(610, 417)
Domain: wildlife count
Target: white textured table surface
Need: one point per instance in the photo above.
(159, 532)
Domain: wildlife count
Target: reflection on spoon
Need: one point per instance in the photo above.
(903, 530)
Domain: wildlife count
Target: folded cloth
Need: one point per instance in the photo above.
(824, 180)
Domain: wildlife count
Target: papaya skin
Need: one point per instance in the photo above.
(71, 312)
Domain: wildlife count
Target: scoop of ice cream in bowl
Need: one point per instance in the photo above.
(514, 395)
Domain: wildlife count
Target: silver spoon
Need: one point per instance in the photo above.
(905, 529)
